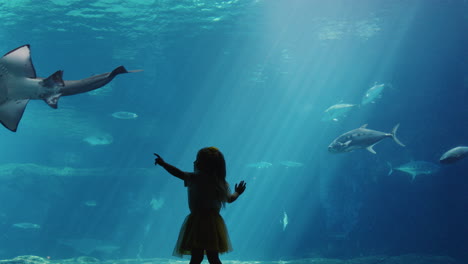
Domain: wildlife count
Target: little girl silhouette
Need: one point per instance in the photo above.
(204, 230)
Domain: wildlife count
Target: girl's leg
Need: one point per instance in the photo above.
(213, 257)
(197, 256)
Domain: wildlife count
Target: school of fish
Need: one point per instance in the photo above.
(364, 138)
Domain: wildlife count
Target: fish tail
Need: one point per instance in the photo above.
(394, 130)
(391, 168)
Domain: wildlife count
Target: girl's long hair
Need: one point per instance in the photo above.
(211, 162)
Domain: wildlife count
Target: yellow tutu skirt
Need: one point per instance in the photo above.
(203, 230)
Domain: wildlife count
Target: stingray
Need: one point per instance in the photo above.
(19, 84)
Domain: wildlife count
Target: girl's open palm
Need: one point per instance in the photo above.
(240, 188)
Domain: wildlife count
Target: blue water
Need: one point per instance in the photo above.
(252, 78)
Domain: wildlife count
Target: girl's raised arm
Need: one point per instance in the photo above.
(169, 168)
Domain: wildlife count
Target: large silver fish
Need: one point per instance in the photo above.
(415, 168)
(361, 138)
(19, 84)
(337, 112)
(373, 94)
(454, 155)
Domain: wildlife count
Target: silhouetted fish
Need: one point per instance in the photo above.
(337, 112)
(454, 155)
(285, 220)
(291, 164)
(124, 115)
(90, 203)
(27, 225)
(103, 139)
(373, 93)
(260, 165)
(361, 138)
(415, 168)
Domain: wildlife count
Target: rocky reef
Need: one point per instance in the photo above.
(404, 259)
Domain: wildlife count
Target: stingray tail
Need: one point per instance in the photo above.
(120, 70)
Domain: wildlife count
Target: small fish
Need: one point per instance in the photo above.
(454, 155)
(124, 115)
(373, 93)
(291, 164)
(260, 165)
(104, 139)
(90, 203)
(415, 168)
(27, 225)
(156, 204)
(361, 138)
(337, 112)
(285, 220)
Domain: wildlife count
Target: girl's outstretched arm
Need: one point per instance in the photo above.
(238, 190)
(169, 168)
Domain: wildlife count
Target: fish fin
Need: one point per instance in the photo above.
(11, 113)
(53, 100)
(364, 126)
(347, 143)
(413, 176)
(391, 168)
(371, 150)
(394, 130)
(18, 62)
(53, 80)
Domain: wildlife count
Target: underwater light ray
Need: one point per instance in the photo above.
(272, 131)
(286, 119)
